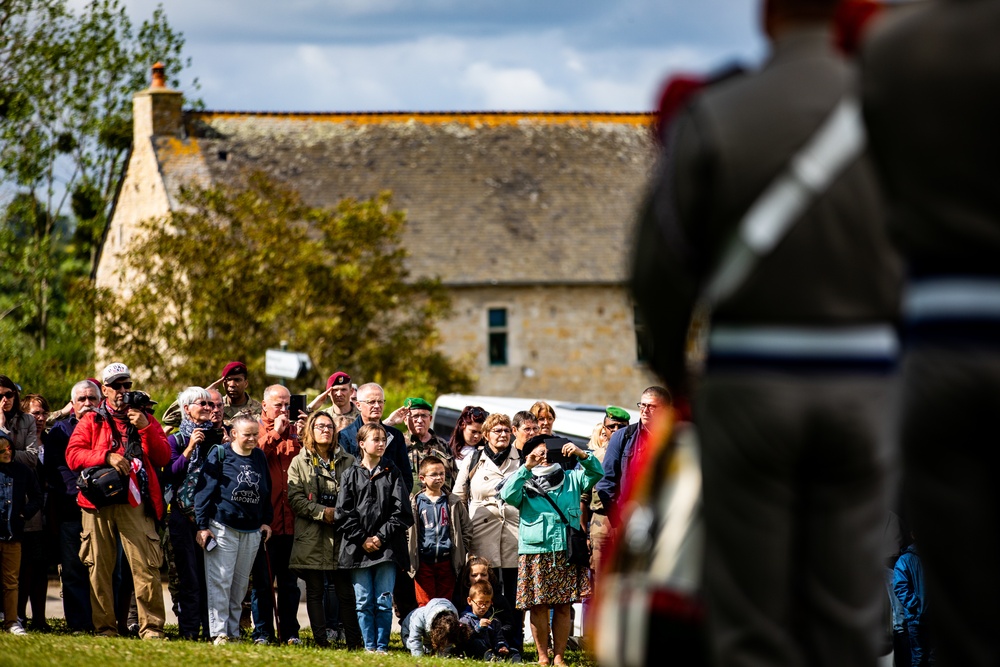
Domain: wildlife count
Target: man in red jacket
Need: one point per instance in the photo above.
(132, 441)
(280, 441)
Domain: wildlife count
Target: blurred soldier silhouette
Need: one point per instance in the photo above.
(765, 207)
(931, 93)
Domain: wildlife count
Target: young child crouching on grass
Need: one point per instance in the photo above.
(433, 629)
(487, 641)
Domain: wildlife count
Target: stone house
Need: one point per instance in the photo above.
(525, 218)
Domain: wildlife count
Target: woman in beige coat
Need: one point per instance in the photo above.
(494, 523)
(313, 486)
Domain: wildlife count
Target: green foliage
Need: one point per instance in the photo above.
(236, 270)
(66, 83)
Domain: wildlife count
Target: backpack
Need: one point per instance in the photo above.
(185, 492)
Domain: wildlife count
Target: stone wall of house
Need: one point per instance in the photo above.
(571, 343)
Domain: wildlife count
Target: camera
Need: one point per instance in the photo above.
(213, 436)
(137, 400)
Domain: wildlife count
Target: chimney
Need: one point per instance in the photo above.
(156, 111)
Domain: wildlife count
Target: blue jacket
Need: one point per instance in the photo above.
(908, 585)
(415, 629)
(20, 499)
(234, 490)
(617, 458)
(541, 530)
(395, 449)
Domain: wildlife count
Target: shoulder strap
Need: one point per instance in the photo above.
(474, 460)
(809, 173)
(545, 495)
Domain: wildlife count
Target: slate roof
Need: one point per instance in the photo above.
(494, 198)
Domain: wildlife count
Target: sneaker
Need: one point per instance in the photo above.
(133, 629)
(294, 641)
(17, 629)
(221, 640)
(261, 641)
(381, 651)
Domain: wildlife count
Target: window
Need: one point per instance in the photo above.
(497, 336)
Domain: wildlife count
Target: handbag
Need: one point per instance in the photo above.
(577, 546)
(103, 485)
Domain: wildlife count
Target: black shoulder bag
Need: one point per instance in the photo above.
(103, 485)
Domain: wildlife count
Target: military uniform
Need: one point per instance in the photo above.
(931, 93)
(798, 364)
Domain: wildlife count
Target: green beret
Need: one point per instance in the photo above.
(417, 404)
(617, 414)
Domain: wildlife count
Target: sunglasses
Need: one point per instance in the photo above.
(478, 414)
(614, 426)
(6, 394)
(208, 404)
(118, 386)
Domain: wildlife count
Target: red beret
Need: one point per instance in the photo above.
(338, 378)
(234, 367)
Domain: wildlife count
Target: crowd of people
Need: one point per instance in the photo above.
(458, 538)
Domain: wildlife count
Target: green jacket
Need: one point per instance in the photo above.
(317, 544)
(541, 530)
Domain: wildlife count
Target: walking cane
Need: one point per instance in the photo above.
(274, 594)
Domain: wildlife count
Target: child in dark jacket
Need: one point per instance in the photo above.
(487, 641)
(373, 515)
(908, 585)
(20, 499)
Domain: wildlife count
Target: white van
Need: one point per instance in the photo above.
(575, 421)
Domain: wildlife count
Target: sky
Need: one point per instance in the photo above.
(429, 55)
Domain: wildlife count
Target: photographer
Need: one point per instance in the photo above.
(189, 448)
(122, 434)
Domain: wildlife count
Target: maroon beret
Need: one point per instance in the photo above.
(338, 378)
(234, 367)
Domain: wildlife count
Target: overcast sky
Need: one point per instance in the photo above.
(418, 55)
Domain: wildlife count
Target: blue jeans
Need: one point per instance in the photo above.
(227, 571)
(373, 598)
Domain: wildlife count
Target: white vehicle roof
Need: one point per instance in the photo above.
(575, 421)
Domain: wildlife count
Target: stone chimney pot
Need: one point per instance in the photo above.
(159, 76)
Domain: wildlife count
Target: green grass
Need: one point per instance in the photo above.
(57, 649)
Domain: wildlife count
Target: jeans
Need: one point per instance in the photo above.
(227, 571)
(373, 594)
(272, 560)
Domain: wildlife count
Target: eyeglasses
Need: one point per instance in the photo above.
(374, 403)
(528, 429)
(322, 427)
(647, 407)
(434, 475)
(118, 386)
(40, 413)
(207, 404)
(500, 431)
(614, 426)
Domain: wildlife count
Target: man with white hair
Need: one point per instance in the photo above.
(129, 439)
(371, 403)
(66, 513)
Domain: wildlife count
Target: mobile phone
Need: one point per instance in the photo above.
(296, 404)
(553, 449)
(211, 544)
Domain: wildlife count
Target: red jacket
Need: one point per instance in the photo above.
(91, 441)
(279, 451)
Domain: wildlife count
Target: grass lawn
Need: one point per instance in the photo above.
(63, 650)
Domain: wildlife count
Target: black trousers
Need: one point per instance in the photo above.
(316, 588)
(794, 472)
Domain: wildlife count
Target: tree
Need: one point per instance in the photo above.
(66, 84)
(235, 270)
(65, 125)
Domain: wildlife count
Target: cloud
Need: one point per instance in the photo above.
(353, 55)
